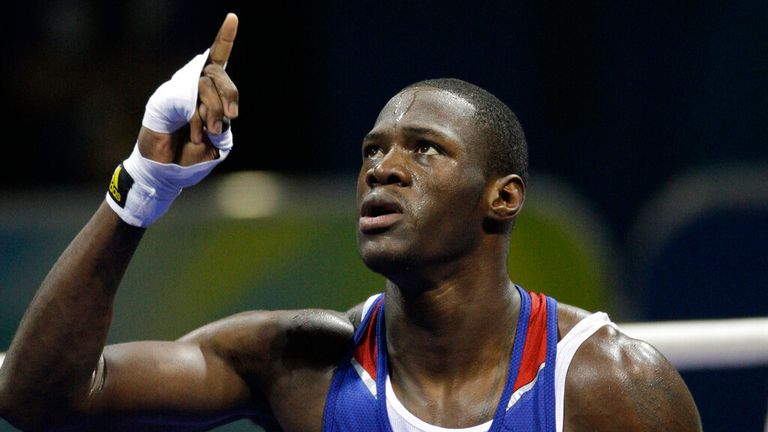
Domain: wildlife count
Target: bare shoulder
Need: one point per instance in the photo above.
(616, 382)
(355, 314)
(286, 357)
(567, 317)
(311, 335)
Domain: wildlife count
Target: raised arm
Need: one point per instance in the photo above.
(48, 375)
(49, 364)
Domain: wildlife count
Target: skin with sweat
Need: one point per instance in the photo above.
(432, 220)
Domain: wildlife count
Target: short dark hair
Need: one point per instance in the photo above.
(507, 151)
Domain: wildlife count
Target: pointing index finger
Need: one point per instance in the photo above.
(222, 46)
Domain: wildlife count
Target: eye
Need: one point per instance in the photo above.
(427, 148)
(372, 151)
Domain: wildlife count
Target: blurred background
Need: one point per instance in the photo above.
(647, 125)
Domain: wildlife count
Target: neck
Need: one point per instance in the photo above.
(437, 331)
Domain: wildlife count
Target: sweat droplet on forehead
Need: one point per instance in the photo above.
(403, 104)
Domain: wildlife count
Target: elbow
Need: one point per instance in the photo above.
(5, 401)
(20, 412)
(32, 407)
(10, 408)
(11, 405)
(24, 419)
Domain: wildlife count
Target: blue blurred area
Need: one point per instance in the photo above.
(700, 251)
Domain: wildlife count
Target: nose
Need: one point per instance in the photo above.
(391, 169)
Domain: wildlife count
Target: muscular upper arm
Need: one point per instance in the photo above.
(228, 369)
(618, 383)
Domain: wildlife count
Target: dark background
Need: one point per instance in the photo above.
(617, 99)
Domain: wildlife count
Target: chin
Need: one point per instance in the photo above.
(383, 260)
(381, 263)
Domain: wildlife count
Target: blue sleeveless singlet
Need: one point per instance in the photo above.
(356, 399)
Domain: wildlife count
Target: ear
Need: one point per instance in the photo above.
(507, 198)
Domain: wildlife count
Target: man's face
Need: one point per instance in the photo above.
(421, 184)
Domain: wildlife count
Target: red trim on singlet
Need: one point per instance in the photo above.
(366, 351)
(535, 349)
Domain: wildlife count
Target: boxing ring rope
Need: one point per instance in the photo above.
(706, 344)
(700, 344)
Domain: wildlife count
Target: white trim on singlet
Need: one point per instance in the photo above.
(402, 420)
(368, 380)
(566, 349)
(367, 305)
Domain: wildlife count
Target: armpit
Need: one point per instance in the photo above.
(318, 337)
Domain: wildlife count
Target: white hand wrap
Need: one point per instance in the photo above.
(142, 190)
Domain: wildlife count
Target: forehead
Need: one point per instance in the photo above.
(426, 107)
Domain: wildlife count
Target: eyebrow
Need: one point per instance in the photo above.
(409, 130)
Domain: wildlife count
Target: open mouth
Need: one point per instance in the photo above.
(377, 214)
(379, 209)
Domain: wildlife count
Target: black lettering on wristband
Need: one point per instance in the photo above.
(120, 185)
